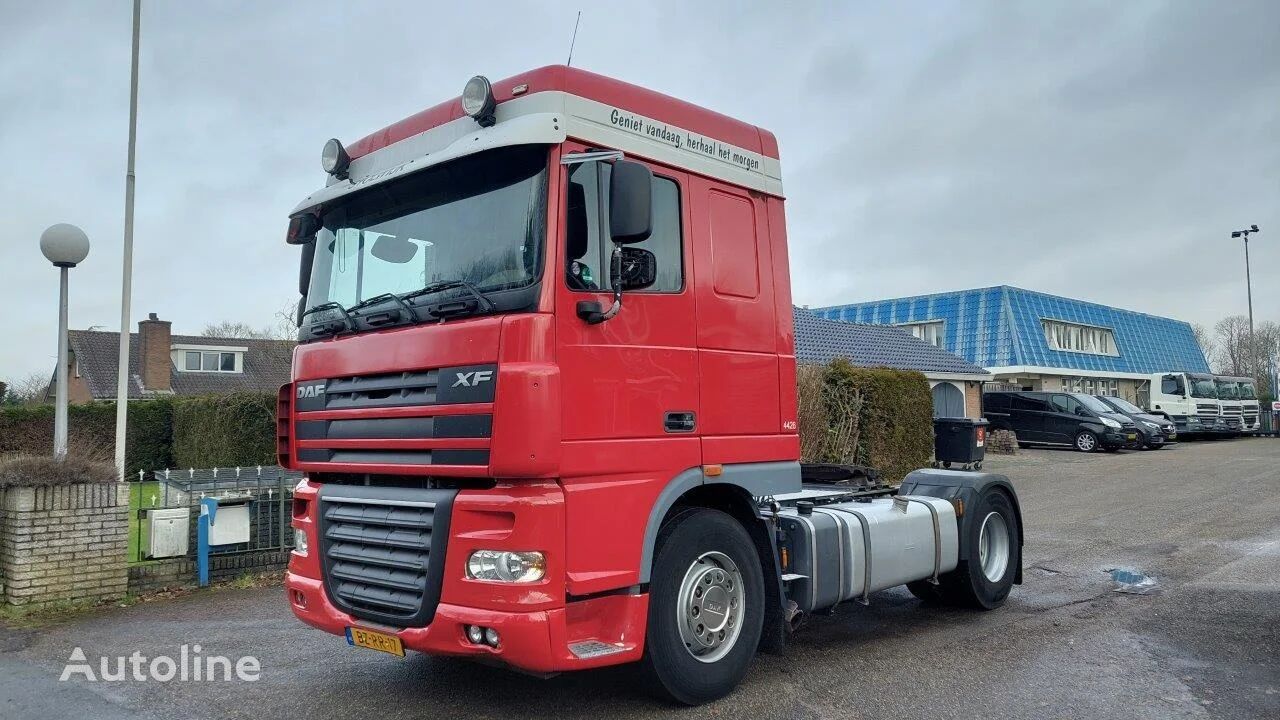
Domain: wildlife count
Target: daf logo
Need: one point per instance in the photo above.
(310, 391)
(473, 378)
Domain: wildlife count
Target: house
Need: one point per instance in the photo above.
(1035, 341)
(956, 383)
(161, 363)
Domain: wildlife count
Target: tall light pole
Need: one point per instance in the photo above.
(65, 246)
(1248, 283)
(126, 281)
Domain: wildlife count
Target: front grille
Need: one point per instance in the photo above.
(444, 386)
(1207, 409)
(382, 550)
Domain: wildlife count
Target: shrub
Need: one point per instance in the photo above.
(873, 416)
(91, 432)
(224, 430)
(37, 470)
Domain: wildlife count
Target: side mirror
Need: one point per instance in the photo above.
(639, 269)
(302, 229)
(630, 202)
(304, 267)
(392, 249)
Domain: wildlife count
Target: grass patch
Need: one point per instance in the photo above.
(38, 616)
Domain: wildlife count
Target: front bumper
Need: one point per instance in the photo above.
(539, 642)
(1119, 438)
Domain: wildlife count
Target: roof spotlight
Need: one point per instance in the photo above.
(1253, 228)
(334, 159)
(1235, 233)
(477, 100)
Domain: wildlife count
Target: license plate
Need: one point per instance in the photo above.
(382, 642)
(1132, 436)
(1173, 435)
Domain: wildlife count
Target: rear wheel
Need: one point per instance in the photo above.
(1086, 441)
(984, 580)
(706, 607)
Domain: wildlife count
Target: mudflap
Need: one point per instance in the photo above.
(966, 487)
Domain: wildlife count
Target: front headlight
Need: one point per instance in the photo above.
(300, 541)
(507, 566)
(1110, 423)
(1151, 425)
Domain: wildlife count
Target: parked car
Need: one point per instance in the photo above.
(1058, 418)
(1156, 431)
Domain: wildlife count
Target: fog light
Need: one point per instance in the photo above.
(475, 634)
(507, 566)
(491, 637)
(300, 541)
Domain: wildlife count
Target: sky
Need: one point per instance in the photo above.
(1102, 151)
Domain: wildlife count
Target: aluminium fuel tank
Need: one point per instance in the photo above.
(848, 550)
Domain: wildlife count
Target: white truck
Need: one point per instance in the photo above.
(1245, 398)
(1189, 399)
(1229, 402)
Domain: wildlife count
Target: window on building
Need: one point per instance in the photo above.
(930, 332)
(588, 256)
(207, 361)
(1071, 337)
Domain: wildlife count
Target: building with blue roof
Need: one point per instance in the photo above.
(1038, 341)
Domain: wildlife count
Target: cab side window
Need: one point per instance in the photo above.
(1066, 404)
(587, 245)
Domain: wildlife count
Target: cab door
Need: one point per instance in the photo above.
(630, 414)
(625, 377)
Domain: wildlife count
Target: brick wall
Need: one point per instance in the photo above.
(973, 400)
(63, 543)
(181, 572)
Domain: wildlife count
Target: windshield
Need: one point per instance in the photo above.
(1202, 387)
(1246, 391)
(1092, 403)
(1226, 389)
(479, 219)
(1124, 405)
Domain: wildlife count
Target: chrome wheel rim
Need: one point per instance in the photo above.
(993, 546)
(710, 606)
(1085, 442)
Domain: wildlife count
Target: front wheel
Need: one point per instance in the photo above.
(706, 607)
(1086, 441)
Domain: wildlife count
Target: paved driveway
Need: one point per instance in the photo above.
(1203, 518)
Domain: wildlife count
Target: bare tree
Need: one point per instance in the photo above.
(28, 390)
(1232, 346)
(234, 329)
(285, 326)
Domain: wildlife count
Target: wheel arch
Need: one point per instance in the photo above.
(732, 492)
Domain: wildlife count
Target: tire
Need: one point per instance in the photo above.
(705, 548)
(984, 580)
(1024, 445)
(1086, 441)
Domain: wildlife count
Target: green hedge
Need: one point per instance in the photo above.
(895, 416)
(164, 432)
(224, 430)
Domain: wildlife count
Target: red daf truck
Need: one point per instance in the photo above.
(545, 400)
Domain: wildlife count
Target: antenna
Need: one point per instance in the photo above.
(574, 40)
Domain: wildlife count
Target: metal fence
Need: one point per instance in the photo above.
(164, 506)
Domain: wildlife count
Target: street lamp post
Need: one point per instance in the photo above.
(1248, 283)
(65, 246)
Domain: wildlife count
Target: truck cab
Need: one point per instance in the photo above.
(544, 399)
(1232, 408)
(1245, 399)
(1188, 399)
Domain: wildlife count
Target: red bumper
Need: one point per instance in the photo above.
(539, 641)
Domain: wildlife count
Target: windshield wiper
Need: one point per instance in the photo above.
(448, 285)
(413, 314)
(328, 327)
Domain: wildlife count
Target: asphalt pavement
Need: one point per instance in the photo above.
(1202, 518)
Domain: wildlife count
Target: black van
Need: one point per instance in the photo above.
(1059, 418)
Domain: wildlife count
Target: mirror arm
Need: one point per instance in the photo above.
(590, 311)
